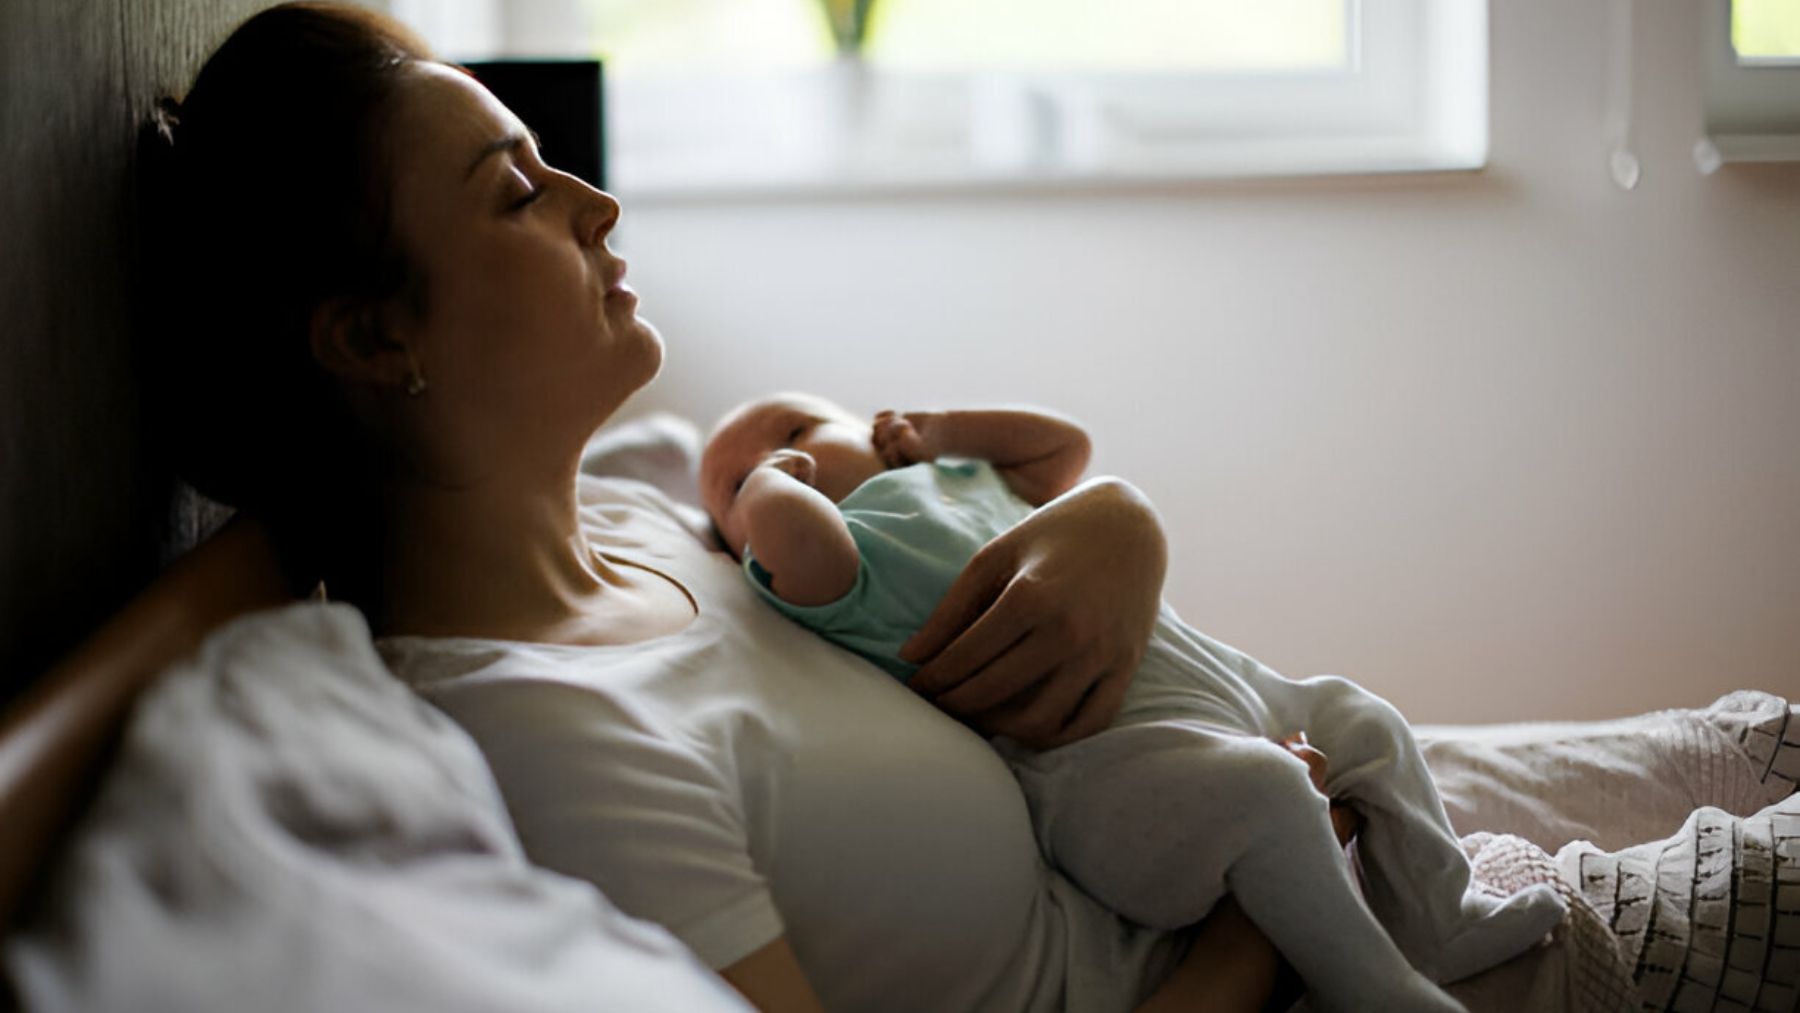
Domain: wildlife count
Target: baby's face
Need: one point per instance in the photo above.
(841, 446)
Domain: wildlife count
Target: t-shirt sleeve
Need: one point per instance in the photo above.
(600, 792)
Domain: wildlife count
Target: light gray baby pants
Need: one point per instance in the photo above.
(1188, 795)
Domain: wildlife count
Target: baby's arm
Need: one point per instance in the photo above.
(1041, 456)
(796, 533)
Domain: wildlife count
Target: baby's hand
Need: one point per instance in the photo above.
(795, 463)
(897, 440)
(1345, 821)
(1314, 760)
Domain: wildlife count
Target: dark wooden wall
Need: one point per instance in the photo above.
(86, 514)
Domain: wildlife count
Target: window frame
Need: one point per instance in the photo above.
(1412, 97)
(1752, 108)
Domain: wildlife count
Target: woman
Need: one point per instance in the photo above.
(411, 327)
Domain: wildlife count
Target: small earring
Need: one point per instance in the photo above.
(415, 380)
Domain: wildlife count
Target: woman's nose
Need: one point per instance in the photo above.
(598, 213)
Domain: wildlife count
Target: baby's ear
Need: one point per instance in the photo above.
(349, 340)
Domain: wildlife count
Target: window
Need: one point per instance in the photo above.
(1765, 33)
(1752, 82)
(709, 96)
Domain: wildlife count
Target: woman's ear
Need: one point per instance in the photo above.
(350, 340)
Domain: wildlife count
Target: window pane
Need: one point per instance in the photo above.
(1766, 29)
(654, 37)
(686, 36)
(1048, 35)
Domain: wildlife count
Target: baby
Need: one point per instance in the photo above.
(857, 530)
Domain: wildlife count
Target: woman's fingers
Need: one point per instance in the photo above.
(961, 633)
(1020, 664)
(989, 634)
(1097, 708)
(1036, 717)
(1074, 588)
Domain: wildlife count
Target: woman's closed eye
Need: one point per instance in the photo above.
(519, 175)
(523, 202)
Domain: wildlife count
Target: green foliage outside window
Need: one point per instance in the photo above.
(1766, 29)
(651, 37)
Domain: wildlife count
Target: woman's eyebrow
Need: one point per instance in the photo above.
(511, 142)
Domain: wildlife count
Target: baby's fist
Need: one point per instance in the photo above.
(795, 463)
(897, 440)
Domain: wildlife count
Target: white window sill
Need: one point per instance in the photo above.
(1041, 182)
(1756, 147)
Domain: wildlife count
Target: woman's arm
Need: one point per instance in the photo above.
(1042, 632)
(1038, 454)
(796, 533)
(771, 980)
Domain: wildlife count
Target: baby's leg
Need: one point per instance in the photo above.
(1159, 820)
(1416, 876)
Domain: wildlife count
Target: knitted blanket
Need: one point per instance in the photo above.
(1707, 918)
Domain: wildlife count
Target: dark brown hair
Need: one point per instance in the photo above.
(266, 194)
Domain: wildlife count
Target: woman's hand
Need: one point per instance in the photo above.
(1040, 635)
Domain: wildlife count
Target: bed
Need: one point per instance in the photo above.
(221, 801)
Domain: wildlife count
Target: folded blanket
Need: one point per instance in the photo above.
(1616, 783)
(1706, 918)
(1594, 978)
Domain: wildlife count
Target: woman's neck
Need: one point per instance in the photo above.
(501, 558)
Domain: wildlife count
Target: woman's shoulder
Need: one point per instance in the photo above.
(526, 700)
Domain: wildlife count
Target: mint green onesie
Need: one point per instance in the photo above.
(1187, 795)
(915, 529)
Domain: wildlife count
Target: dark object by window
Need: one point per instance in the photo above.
(562, 101)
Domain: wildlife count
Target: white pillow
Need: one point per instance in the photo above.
(288, 828)
(660, 448)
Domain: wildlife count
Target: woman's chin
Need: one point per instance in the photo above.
(653, 345)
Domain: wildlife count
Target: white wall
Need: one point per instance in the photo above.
(1501, 445)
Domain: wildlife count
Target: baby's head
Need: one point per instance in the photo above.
(840, 444)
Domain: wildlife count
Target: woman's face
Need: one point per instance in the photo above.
(528, 339)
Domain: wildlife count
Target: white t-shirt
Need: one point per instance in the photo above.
(744, 778)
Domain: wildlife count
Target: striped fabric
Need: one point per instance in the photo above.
(1709, 918)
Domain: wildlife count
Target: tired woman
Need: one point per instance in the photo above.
(390, 328)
